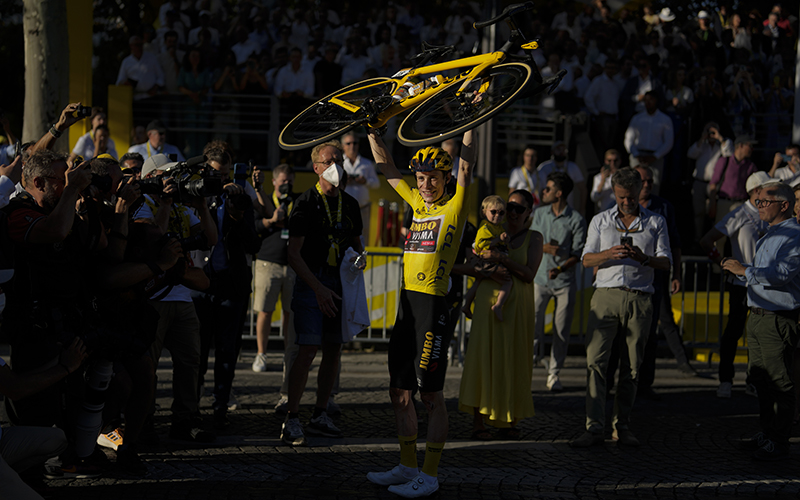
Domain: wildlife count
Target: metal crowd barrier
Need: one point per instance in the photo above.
(701, 307)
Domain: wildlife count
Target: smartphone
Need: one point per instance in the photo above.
(626, 240)
(240, 173)
(554, 242)
(17, 150)
(786, 158)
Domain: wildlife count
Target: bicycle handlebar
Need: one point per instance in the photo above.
(508, 11)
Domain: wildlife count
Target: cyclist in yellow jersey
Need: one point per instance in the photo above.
(418, 346)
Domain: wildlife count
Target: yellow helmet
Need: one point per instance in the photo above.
(431, 158)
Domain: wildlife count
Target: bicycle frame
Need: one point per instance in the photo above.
(478, 63)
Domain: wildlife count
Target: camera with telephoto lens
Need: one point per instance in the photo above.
(193, 177)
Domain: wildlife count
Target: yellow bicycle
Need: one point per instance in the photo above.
(442, 106)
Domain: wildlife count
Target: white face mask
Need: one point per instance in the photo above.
(333, 174)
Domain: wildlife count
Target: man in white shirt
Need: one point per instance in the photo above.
(361, 177)
(706, 151)
(649, 138)
(244, 47)
(627, 243)
(86, 145)
(156, 143)
(602, 193)
(743, 227)
(560, 163)
(792, 168)
(141, 71)
(525, 176)
(293, 80)
(601, 99)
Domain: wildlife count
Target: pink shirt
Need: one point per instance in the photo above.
(733, 185)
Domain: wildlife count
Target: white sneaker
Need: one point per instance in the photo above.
(554, 384)
(111, 440)
(260, 363)
(421, 486)
(724, 390)
(233, 404)
(399, 475)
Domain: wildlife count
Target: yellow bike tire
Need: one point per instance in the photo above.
(442, 116)
(310, 127)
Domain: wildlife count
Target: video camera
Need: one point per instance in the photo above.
(193, 177)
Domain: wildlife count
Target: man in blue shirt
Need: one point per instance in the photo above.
(564, 233)
(773, 294)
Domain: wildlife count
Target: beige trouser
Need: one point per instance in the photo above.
(615, 312)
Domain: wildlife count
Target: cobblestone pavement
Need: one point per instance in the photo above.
(688, 446)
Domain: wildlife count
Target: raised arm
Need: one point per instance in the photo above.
(383, 159)
(467, 162)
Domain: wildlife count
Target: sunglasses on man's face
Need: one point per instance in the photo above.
(516, 208)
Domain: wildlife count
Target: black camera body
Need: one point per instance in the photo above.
(193, 177)
(83, 112)
(626, 240)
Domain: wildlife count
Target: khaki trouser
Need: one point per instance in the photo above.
(615, 312)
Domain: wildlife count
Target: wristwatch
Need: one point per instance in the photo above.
(646, 260)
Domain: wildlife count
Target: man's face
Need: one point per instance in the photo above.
(135, 166)
(54, 185)
(549, 193)
(795, 154)
(613, 161)
(350, 144)
(627, 200)
(99, 119)
(650, 104)
(282, 179)
(431, 184)
(647, 184)
(136, 48)
(744, 150)
(156, 138)
(769, 208)
(223, 168)
(327, 157)
(529, 158)
(560, 150)
(102, 138)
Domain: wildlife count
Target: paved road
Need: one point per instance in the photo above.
(688, 447)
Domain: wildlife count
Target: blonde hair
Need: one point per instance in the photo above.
(492, 201)
(315, 152)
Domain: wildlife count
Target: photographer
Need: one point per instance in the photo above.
(49, 302)
(626, 243)
(178, 326)
(222, 308)
(96, 141)
(274, 278)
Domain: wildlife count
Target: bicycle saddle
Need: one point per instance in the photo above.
(430, 53)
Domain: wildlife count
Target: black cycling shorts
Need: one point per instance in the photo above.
(419, 343)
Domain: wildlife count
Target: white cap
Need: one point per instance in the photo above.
(666, 15)
(758, 180)
(156, 162)
(703, 15)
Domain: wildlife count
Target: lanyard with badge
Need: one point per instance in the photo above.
(159, 150)
(277, 203)
(333, 252)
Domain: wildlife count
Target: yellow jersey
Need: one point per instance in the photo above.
(487, 233)
(433, 239)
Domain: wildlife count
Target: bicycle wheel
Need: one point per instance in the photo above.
(324, 120)
(446, 114)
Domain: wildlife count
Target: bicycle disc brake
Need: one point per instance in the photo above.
(374, 106)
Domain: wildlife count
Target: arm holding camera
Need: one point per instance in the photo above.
(69, 117)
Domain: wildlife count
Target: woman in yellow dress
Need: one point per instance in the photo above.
(496, 382)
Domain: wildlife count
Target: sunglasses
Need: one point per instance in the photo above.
(766, 203)
(497, 212)
(516, 208)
